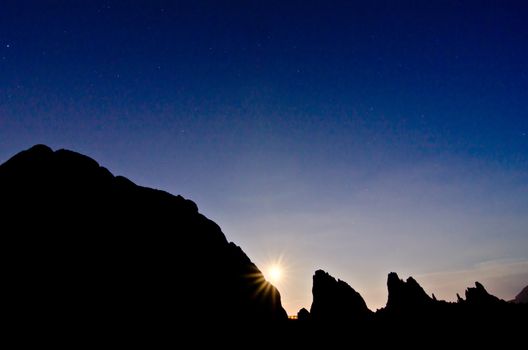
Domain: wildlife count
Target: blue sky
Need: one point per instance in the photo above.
(360, 137)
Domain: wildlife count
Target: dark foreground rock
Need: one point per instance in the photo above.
(522, 297)
(87, 254)
(409, 309)
(88, 250)
(335, 301)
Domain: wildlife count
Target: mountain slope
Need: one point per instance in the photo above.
(522, 297)
(87, 249)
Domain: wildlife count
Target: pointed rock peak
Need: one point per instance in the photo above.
(405, 294)
(480, 287)
(459, 298)
(393, 277)
(334, 300)
(321, 274)
(478, 290)
(393, 281)
(322, 278)
(479, 295)
(412, 282)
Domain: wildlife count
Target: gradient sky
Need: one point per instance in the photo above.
(360, 137)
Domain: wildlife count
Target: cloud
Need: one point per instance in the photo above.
(503, 278)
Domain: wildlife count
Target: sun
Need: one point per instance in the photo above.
(274, 273)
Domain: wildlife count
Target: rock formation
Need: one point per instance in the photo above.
(334, 300)
(303, 315)
(87, 249)
(478, 295)
(522, 297)
(405, 295)
(409, 309)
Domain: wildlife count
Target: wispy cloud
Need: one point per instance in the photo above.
(503, 278)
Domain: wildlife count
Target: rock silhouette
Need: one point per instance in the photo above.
(303, 315)
(522, 297)
(405, 295)
(89, 252)
(407, 301)
(478, 295)
(86, 250)
(335, 301)
(408, 305)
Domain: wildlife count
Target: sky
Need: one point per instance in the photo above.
(358, 137)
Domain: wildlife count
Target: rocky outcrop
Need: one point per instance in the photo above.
(406, 295)
(334, 300)
(303, 315)
(409, 304)
(89, 249)
(478, 295)
(522, 297)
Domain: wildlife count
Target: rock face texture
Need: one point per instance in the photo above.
(87, 249)
(335, 301)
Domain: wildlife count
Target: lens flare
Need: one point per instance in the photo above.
(274, 274)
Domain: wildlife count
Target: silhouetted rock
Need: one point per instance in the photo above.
(459, 298)
(303, 315)
(480, 296)
(86, 249)
(338, 312)
(334, 301)
(87, 252)
(405, 295)
(522, 297)
(409, 305)
(486, 310)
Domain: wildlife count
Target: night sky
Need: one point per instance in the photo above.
(360, 137)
